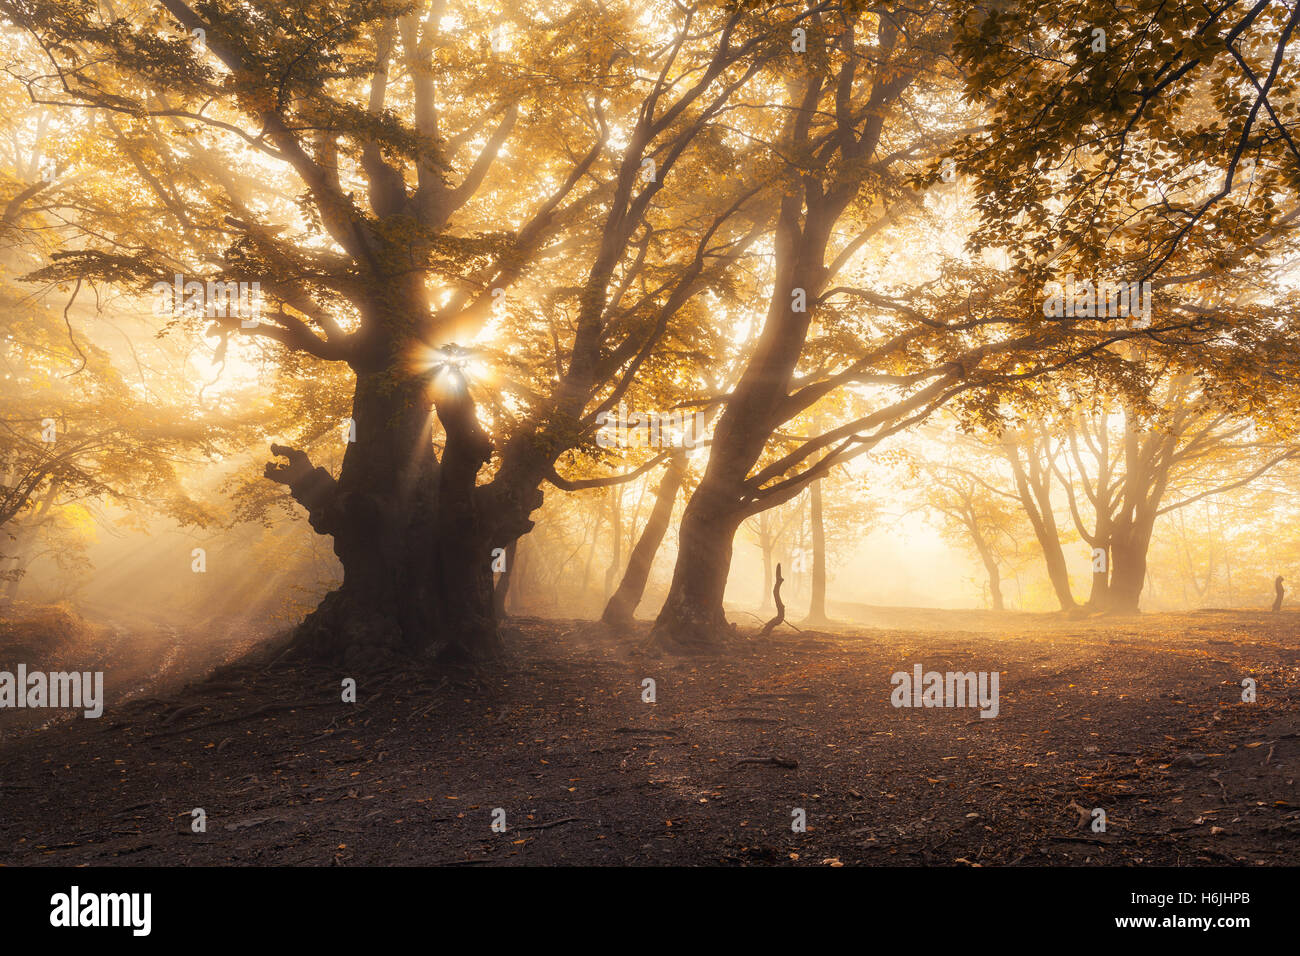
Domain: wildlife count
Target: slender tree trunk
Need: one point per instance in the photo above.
(1099, 596)
(26, 531)
(11, 586)
(21, 545)
(766, 544)
(1227, 555)
(502, 587)
(800, 579)
(622, 606)
(1057, 572)
(616, 539)
(591, 553)
(995, 587)
(516, 597)
(817, 604)
(991, 569)
(1037, 503)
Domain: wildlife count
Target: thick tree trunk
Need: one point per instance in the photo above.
(1126, 583)
(692, 615)
(1128, 568)
(416, 557)
(817, 603)
(1145, 480)
(1099, 596)
(622, 605)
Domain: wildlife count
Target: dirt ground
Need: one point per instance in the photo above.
(1141, 717)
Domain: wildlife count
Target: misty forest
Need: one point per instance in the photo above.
(821, 433)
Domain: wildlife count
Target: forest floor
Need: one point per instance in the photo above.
(1141, 717)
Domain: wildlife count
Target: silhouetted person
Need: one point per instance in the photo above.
(1277, 586)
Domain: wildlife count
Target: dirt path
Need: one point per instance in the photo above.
(1140, 717)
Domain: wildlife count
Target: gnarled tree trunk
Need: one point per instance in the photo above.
(407, 528)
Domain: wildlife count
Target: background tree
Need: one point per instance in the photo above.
(984, 521)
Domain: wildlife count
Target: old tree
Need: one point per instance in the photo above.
(431, 195)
